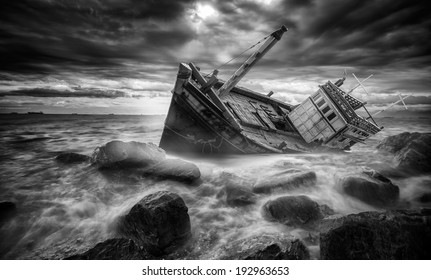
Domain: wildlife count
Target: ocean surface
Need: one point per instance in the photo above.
(67, 209)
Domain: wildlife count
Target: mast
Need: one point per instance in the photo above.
(251, 61)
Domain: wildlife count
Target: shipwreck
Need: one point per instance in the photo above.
(207, 115)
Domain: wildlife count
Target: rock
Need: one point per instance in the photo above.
(133, 159)
(395, 143)
(69, 158)
(230, 179)
(412, 151)
(264, 247)
(114, 249)
(175, 169)
(7, 210)
(237, 196)
(236, 190)
(127, 154)
(425, 198)
(372, 188)
(392, 235)
(285, 181)
(294, 211)
(160, 220)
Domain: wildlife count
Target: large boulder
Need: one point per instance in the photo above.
(236, 190)
(392, 235)
(263, 247)
(285, 181)
(412, 151)
(127, 154)
(295, 211)
(231, 179)
(70, 158)
(372, 188)
(114, 249)
(175, 169)
(158, 222)
(7, 210)
(237, 196)
(425, 198)
(132, 160)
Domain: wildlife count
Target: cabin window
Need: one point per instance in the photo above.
(325, 110)
(331, 116)
(316, 96)
(321, 103)
(342, 139)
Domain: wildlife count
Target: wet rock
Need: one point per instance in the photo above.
(236, 190)
(133, 160)
(70, 158)
(397, 234)
(175, 169)
(425, 198)
(237, 195)
(295, 211)
(114, 249)
(285, 181)
(264, 247)
(127, 154)
(412, 151)
(230, 179)
(7, 210)
(372, 188)
(158, 222)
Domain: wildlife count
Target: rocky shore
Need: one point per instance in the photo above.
(159, 226)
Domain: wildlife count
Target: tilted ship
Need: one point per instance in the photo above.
(207, 115)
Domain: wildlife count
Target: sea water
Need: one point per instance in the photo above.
(67, 209)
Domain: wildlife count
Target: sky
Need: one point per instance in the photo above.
(122, 56)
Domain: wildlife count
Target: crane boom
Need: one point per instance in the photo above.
(251, 61)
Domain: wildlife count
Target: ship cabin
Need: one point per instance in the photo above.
(330, 117)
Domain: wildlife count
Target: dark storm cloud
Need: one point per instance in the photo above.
(332, 32)
(44, 36)
(145, 40)
(360, 33)
(15, 105)
(46, 92)
(156, 9)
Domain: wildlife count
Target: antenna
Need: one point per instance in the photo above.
(402, 100)
(393, 104)
(360, 83)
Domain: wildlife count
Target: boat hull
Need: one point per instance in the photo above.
(201, 120)
(196, 125)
